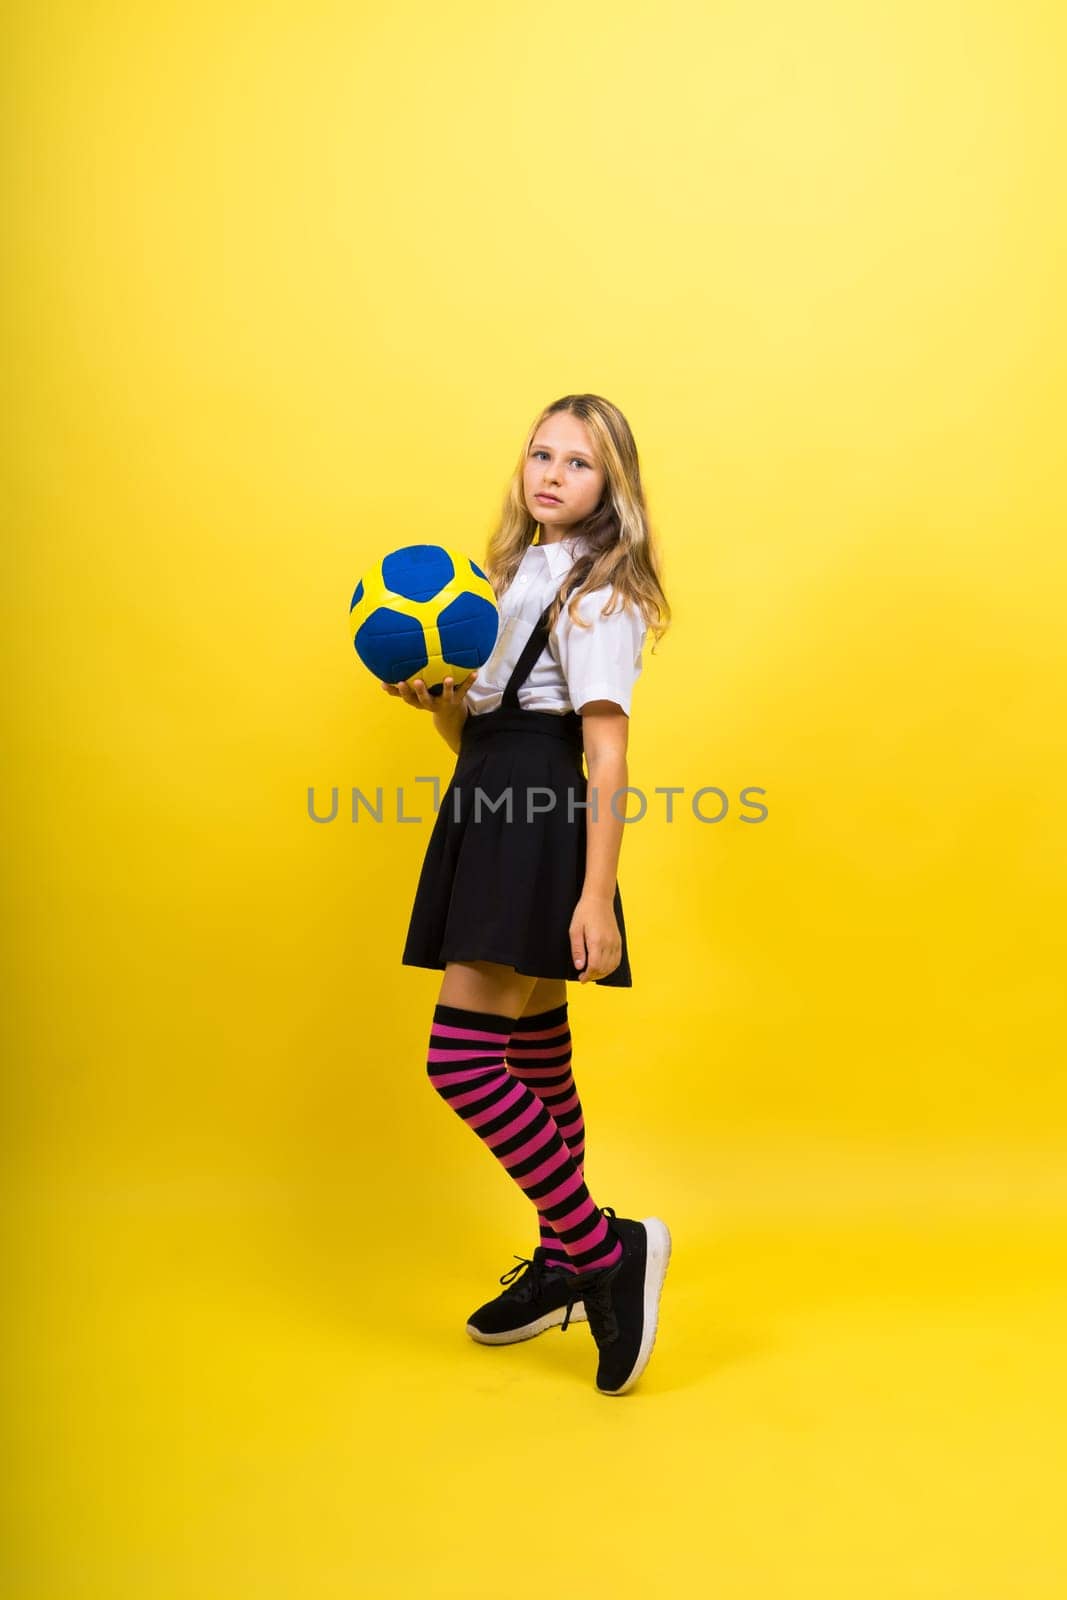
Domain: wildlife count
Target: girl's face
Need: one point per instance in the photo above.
(561, 464)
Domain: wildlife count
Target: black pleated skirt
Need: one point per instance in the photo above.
(494, 889)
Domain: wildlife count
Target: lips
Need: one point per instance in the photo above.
(550, 498)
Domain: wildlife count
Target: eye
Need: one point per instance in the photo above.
(535, 453)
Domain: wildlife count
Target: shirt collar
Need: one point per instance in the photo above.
(560, 555)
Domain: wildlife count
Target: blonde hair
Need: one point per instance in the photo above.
(621, 553)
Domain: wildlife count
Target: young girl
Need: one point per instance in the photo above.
(518, 892)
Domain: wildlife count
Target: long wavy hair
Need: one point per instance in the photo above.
(622, 552)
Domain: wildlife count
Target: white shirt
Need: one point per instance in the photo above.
(602, 662)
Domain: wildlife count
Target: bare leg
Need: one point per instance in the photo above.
(487, 986)
(546, 995)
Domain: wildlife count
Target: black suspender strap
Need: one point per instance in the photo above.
(523, 667)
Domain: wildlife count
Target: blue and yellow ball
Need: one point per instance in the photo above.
(424, 612)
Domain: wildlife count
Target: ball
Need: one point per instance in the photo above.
(424, 612)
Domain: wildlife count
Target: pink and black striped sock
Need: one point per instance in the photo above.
(466, 1065)
(539, 1055)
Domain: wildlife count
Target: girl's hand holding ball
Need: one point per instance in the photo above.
(416, 694)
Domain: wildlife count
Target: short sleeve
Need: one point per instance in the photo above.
(602, 661)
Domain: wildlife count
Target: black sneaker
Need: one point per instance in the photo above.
(622, 1302)
(540, 1299)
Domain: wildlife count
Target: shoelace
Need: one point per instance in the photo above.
(596, 1297)
(529, 1285)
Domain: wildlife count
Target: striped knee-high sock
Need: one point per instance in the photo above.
(466, 1065)
(539, 1055)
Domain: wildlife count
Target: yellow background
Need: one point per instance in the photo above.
(286, 284)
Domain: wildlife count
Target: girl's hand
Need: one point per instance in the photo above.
(596, 944)
(417, 695)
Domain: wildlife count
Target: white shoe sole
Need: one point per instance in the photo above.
(551, 1319)
(658, 1248)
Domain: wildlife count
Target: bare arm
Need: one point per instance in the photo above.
(449, 720)
(596, 942)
